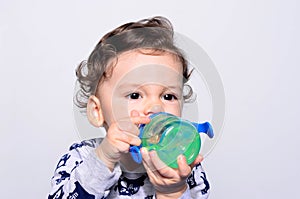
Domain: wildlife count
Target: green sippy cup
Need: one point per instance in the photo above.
(171, 136)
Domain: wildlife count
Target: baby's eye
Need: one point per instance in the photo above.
(169, 97)
(134, 96)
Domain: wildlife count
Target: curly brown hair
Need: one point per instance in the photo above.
(154, 33)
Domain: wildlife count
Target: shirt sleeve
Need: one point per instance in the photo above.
(81, 174)
(198, 184)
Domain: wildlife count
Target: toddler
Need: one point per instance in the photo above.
(133, 72)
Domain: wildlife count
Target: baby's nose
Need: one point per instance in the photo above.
(153, 108)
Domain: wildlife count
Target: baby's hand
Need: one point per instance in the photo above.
(119, 137)
(168, 182)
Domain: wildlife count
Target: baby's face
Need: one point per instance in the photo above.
(144, 83)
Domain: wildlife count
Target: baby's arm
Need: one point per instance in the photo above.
(91, 169)
(80, 174)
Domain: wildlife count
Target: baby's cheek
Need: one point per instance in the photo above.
(119, 109)
(174, 109)
(134, 106)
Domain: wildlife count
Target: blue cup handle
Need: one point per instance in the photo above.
(204, 128)
(136, 153)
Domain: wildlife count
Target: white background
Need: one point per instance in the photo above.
(254, 44)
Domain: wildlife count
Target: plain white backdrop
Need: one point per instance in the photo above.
(254, 44)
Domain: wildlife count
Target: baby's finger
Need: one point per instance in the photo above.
(140, 120)
(129, 138)
(152, 172)
(137, 119)
(183, 168)
(123, 147)
(128, 126)
(115, 135)
(131, 124)
(198, 160)
(146, 158)
(160, 166)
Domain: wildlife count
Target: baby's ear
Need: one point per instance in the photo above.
(94, 111)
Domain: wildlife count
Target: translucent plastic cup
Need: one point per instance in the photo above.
(171, 136)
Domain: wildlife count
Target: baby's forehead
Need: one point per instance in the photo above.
(152, 74)
(147, 67)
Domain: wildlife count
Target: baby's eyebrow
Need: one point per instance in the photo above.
(129, 85)
(134, 85)
(174, 87)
